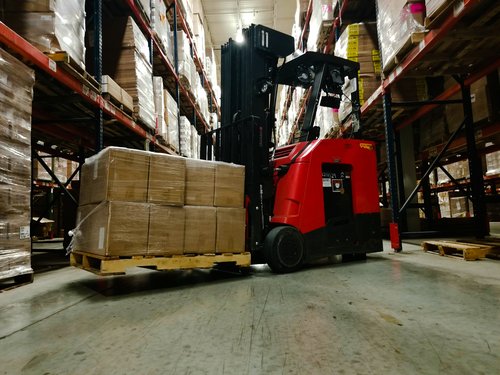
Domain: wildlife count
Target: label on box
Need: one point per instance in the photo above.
(327, 182)
(24, 232)
(102, 232)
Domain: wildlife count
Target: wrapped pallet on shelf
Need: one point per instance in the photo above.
(51, 26)
(161, 27)
(320, 23)
(185, 129)
(171, 119)
(16, 95)
(359, 43)
(400, 26)
(187, 67)
(159, 100)
(127, 62)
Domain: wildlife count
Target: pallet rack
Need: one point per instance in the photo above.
(71, 117)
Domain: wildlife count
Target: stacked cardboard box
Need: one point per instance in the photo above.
(359, 43)
(141, 203)
(187, 67)
(127, 61)
(185, 129)
(322, 11)
(492, 163)
(397, 20)
(16, 94)
(50, 25)
(159, 101)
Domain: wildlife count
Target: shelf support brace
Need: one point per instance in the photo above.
(99, 143)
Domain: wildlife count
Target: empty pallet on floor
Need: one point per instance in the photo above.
(114, 265)
(467, 251)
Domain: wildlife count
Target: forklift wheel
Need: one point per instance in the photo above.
(284, 249)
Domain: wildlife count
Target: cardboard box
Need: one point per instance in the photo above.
(166, 230)
(200, 181)
(167, 179)
(115, 174)
(199, 236)
(113, 229)
(230, 236)
(229, 185)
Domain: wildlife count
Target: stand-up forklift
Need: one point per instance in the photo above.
(305, 201)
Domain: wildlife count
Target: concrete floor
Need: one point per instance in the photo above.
(408, 313)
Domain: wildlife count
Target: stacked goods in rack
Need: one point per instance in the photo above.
(161, 27)
(199, 29)
(185, 129)
(51, 26)
(359, 43)
(159, 100)
(172, 121)
(481, 100)
(130, 66)
(146, 8)
(187, 12)
(62, 168)
(179, 206)
(320, 23)
(16, 95)
(435, 8)
(492, 163)
(113, 92)
(400, 25)
(187, 67)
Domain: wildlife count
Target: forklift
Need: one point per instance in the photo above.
(306, 201)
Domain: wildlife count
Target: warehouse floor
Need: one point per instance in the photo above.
(407, 313)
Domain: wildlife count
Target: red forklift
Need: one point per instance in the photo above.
(305, 201)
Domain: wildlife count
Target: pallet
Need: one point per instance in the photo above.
(72, 67)
(118, 105)
(467, 251)
(16, 281)
(412, 40)
(103, 265)
(492, 242)
(434, 19)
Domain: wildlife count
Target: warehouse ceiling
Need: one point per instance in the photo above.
(223, 17)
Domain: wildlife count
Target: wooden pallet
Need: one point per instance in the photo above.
(411, 41)
(467, 251)
(16, 281)
(102, 265)
(492, 242)
(64, 61)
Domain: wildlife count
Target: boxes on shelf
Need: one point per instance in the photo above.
(458, 170)
(115, 174)
(321, 19)
(187, 12)
(16, 95)
(159, 101)
(161, 27)
(127, 62)
(195, 144)
(200, 234)
(167, 179)
(167, 226)
(112, 228)
(51, 26)
(399, 23)
(185, 135)
(172, 121)
(187, 67)
(460, 206)
(110, 87)
(492, 163)
(434, 8)
(200, 182)
(230, 237)
(146, 7)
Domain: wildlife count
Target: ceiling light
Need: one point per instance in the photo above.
(239, 35)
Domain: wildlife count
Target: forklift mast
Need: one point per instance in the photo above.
(249, 81)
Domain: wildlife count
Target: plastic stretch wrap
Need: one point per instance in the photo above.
(434, 6)
(187, 67)
(167, 179)
(159, 101)
(202, 100)
(194, 144)
(161, 27)
(112, 228)
(51, 26)
(185, 132)
(187, 12)
(16, 94)
(322, 10)
(230, 236)
(171, 111)
(115, 174)
(200, 182)
(397, 20)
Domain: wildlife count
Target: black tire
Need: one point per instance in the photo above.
(284, 249)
